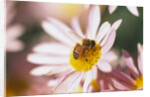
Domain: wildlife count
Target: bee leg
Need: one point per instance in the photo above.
(92, 44)
(86, 59)
(85, 56)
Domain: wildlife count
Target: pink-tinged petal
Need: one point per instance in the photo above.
(53, 82)
(76, 82)
(65, 29)
(111, 88)
(130, 63)
(109, 56)
(104, 66)
(93, 22)
(49, 70)
(114, 26)
(122, 76)
(101, 84)
(102, 31)
(90, 75)
(133, 10)
(76, 26)
(109, 39)
(68, 83)
(42, 70)
(88, 79)
(14, 31)
(14, 46)
(112, 8)
(52, 48)
(94, 72)
(140, 58)
(56, 33)
(47, 59)
(121, 85)
(106, 83)
(109, 42)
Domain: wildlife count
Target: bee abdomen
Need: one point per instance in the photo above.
(75, 55)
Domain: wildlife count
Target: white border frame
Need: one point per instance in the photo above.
(146, 33)
(2, 42)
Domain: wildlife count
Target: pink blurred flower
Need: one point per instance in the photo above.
(133, 10)
(12, 43)
(57, 58)
(13, 31)
(36, 12)
(10, 10)
(132, 79)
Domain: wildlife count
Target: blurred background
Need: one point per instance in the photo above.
(24, 31)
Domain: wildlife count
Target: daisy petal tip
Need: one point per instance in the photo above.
(105, 66)
(126, 54)
(139, 46)
(133, 10)
(28, 57)
(111, 9)
(108, 70)
(117, 24)
(34, 73)
(44, 24)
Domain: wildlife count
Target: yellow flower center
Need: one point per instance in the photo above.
(95, 85)
(85, 55)
(138, 83)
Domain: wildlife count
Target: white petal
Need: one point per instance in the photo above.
(109, 39)
(140, 58)
(42, 70)
(91, 75)
(114, 26)
(88, 79)
(109, 56)
(76, 82)
(49, 70)
(56, 33)
(94, 72)
(47, 59)
(52, 48)
(112, 8)
(76, 26)
(104, 66)
(65, 29)
(109, 43)
(69, 83)
(93, 22)
(133, 10)
(102, 31)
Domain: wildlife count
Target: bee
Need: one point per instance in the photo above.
(79, 49)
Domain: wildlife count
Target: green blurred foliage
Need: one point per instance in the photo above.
(131, 30)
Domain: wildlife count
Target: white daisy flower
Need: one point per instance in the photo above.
(133, 10)
(77, 57)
